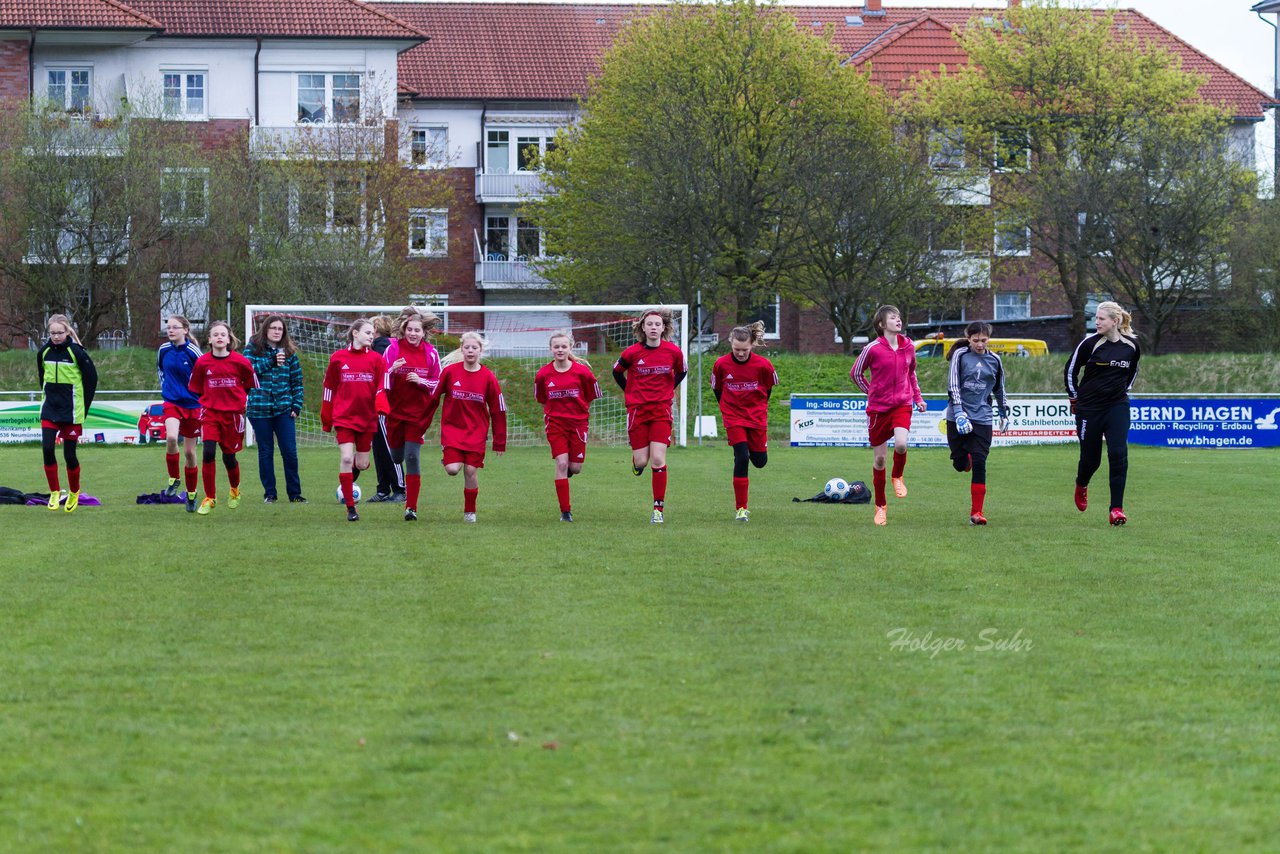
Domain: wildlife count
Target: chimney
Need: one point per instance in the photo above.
(874, 9)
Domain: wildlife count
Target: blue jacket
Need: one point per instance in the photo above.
(279, 386)
(174, 365)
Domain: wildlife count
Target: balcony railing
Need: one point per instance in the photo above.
(67, 134)
(497, 272)
(318, 142)
(508, 186)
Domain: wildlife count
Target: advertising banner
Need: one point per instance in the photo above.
(108, 421)
(838, 420)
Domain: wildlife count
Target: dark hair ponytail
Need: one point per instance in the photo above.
(978, 327)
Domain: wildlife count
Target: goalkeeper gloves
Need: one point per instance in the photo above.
(963, 425)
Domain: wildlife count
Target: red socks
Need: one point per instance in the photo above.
(171, 462)
(562, 493)
(192, 474)
(977, 495)
(659, 486)
(209, 473)
(346, 479)
(51, 475)
(899, 463)
(469, 499)
(740, 485)
(877, 480)
(412, 486)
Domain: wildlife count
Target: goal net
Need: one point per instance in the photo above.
(518, 339)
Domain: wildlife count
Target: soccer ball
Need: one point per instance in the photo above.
(355, 493)
(836, 489)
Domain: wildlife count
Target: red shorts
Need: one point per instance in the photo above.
(880, 425)
(398, 432)
(757, 438)
(66, 432)
(224, 428)
(456, 455)
(644, 428)
(188, 419)
(363, 440)
(567, 439)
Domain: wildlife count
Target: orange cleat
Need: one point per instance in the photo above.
(882, 517)
(899, 488)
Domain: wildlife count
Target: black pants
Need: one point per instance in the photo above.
(1111, 424)
(970, 449)
(390, 476)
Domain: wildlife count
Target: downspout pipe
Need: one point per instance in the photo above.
(31, 66)
(257, 84)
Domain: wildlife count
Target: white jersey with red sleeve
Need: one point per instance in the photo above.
(409, 400)
(352, 384)
(743, 389)
(652, 373)
(566, 396)
(222, 382)
(469, 402)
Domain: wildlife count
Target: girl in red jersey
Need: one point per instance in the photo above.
(221, 379)
(742, 382)
(413, 369)
(353, 398)
(470, 399)
(648, 373)
(891, 391)
(565, 387)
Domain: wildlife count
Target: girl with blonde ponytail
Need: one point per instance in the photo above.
(1100, 401)
(565, 387)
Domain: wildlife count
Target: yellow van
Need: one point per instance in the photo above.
(936, 345)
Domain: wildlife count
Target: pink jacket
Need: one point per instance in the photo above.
(893, 374)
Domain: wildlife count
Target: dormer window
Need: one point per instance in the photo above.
(328, 98)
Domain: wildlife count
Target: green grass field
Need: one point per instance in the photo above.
(276, 679)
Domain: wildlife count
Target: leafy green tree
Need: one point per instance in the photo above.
(683, 171)
(1051, 96)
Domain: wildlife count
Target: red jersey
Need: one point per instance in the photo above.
(222, 382)
(409, 400)
(352, 384)
(743, 389)
(652, 373)
(469, 401)
(566, 397)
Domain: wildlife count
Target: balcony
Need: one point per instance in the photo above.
(340, 142)
(495, 271)
(67, 134)
(508, 186)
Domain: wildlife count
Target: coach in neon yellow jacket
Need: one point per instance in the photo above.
(69, 379)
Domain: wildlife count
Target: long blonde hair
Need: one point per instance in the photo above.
(234, 343)
(429, 320)
(186, 328)
(564, 333)
(1116, 312)
(65, 321)
(455, 356)
(668, 323)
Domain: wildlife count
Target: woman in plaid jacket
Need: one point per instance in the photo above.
(274, 407)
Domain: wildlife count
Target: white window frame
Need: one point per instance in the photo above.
(435, 154)
(329, 104)
(435, 238)
(67, 105)
(330, 191)
(774, 304)
(1019, 163)
(186, 294)
(490, 146)
(946, 149)
(183, 111)
(1007, 226)
(935, 319)
(1024, 312)
(169, 217)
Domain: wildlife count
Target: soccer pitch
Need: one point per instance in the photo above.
(275, 678)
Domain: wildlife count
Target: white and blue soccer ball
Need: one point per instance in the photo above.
(355, 493)
(836, 489)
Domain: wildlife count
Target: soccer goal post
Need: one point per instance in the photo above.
(518, 337)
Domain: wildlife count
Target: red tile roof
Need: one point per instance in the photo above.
(73, 15)
(282, 18)
(549, 51)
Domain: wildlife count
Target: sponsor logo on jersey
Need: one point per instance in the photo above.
(1119, 363)
(221, 382)
(349, 376)
(563, 393)
(745, 386)
(469, 396)
(653, 370)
